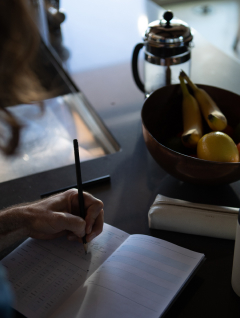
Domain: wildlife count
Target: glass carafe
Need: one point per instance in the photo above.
(167, 51)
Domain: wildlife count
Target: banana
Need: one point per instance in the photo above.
(212, 114)
(192, 120)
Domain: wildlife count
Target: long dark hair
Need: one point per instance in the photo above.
(19, 42)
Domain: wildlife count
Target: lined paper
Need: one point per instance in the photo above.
(122, 276)
(139, 279)
(45, 273)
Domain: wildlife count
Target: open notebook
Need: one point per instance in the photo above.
(122, 276)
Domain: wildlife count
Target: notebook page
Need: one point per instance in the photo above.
(45, 273)
(138, 280)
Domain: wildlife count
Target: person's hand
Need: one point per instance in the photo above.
(59, 215)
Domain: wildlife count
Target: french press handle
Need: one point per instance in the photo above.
(136, 77)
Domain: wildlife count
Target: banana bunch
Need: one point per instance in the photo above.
(192, 120)
(212, 114)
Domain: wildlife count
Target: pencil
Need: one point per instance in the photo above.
(79, 185)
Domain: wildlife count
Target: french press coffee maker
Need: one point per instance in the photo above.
(167, 44)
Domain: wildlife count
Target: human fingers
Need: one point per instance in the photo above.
(94, 207)
(96, 230)
(73, 237)
(89, 200)
(97, 227)
(66, 221)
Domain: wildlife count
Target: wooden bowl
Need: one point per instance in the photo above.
(162, 118)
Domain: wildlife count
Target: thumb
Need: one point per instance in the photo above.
(69, 222)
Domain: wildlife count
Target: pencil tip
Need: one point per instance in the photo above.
(85, 248)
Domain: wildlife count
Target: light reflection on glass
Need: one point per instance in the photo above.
(142, 24)
(47, 139)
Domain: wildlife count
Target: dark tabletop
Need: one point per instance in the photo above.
(101, 41)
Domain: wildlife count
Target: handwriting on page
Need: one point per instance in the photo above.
(143, 273)
(43, 273)
(40, 278)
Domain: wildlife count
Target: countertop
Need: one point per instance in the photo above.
(100, 44)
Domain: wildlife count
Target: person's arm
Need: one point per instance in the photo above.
(51, 218)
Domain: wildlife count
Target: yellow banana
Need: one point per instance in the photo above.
(192, 120)
(212, 114)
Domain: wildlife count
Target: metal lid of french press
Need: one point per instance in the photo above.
(168, 32)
